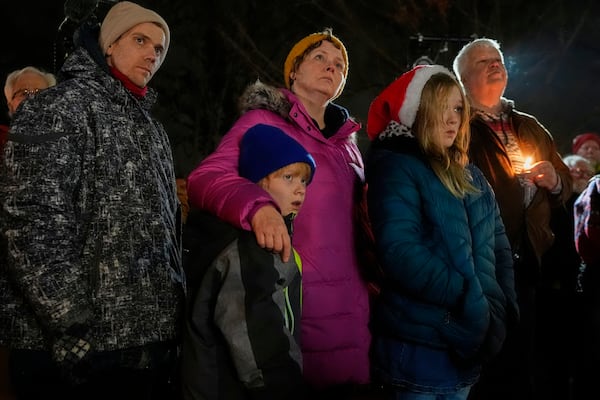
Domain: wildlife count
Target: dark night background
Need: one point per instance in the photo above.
(219, 46)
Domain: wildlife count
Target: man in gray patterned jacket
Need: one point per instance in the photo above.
(91, 292)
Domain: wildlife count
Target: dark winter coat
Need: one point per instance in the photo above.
(242, 325)
(88, 208)
(488, 153)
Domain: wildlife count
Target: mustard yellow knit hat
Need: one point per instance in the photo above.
(299, 49)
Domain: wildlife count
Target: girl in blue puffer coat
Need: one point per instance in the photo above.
(448, 293)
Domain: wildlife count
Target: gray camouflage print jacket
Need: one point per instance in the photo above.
(88, 211)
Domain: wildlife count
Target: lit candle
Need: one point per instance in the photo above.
(527, 164)
(529, 188)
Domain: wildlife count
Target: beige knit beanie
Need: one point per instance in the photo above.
(122, 17)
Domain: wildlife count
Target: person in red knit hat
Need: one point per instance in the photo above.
(588, 145)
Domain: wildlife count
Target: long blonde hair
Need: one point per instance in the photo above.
(449, 164)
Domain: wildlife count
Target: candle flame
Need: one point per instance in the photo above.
(527, 164)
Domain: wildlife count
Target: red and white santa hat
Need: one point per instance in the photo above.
(400, 101)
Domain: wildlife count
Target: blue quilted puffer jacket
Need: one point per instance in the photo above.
(447, 262)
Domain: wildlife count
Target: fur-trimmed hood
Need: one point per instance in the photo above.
(258, 96)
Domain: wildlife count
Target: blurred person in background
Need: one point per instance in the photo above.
(588, 145)
(22, 84)
(559, 301)
(587, 243)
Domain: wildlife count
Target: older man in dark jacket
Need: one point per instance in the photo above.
(519, 158)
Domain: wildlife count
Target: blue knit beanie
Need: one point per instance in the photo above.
(265, 149)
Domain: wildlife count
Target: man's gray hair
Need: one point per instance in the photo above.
(13, 76)
(461, 58)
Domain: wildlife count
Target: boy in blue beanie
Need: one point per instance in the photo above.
(241, 328)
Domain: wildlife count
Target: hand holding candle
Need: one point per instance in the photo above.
(542, 174)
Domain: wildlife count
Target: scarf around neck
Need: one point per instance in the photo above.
(137, 91)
